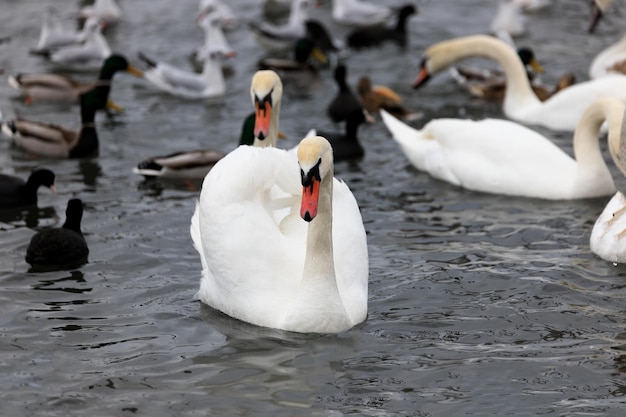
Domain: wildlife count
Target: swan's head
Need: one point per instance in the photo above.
(315, 157)
(443, 54)
(266, 92)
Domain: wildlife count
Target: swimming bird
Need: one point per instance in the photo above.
(108, 12)
(360, 13)
(53, 34)
(371, 36)
(306, 263)
(185, 83)
(194, 163)
(15, 192)
(60, 248)
(302, 67)
(282, 36)
(377, 97)
(39, 87)
(560, 112)
(504, 157)
(223, 12)
(610, 60)
(51, 140)
(346, 144)
(214, 38)
(509, 19)
(86, 56)
(266, 92)
(345, 101)
(609, 230)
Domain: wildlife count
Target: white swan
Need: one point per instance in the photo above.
(560, 112)
(503, 157)
(609, 231)
(266, 266)
(359, 13)
(610, 60)
(188, 84)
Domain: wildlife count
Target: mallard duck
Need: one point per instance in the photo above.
(316, 31)
(281, 37)
(344, 102)
(370, 36)
(108, 12)
(377, 97)
(306, 264)
(56, 87)
(191, 164)
(87, 56)
(346, 145)
(560, 112)
(505, 157)
(301, 67)
(360, 13)
(185, 83)
(60, 248)
(51, 140)
(15, 192)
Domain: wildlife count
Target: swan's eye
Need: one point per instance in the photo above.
(312, 175)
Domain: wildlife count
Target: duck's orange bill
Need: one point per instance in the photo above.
(422, 77)
(310, 197)
(262, 121)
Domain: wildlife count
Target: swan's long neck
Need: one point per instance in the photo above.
(318, 306)
(319, 262)
(586, 136)
(518, 90)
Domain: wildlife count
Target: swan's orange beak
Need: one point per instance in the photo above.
(423, 75)
(310, 197)
(263, 113)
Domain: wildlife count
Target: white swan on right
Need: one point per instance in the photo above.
(560, 112)
(504, 157)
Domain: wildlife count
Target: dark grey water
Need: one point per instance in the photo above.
(479, 305)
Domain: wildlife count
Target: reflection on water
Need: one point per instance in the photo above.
(30, 216)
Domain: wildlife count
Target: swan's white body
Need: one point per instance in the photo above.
(276, 37)
(609, 232)
(560, 112)
(503, 157)
(359, 13)
(602, 64)
(188, 84)
(90, 54)
(261, 263)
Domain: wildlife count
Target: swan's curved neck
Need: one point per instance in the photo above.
(318, 305)
(586, 136)
(518, 89)
(319, 262)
